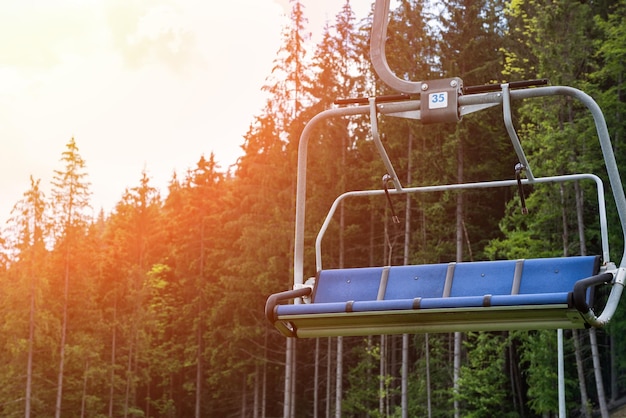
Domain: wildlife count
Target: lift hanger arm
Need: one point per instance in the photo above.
(377, 52)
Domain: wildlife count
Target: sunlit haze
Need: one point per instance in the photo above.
(140, 85)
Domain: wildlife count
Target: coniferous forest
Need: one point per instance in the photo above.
(156, 309)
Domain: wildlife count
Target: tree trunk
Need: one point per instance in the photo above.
(148, 384)
(83, 399)
(288, 377)
(199, 373)
(129, 372)
(31, 337)
(316, 378)
(328, 374)
(113, 350)
(614, 368)
(257, 389)
(264, 395)
(244, 401)
(405, 375)
(66, 287)
(597, 370)
(381, 375)
(584, 398)
(516, 380)
(457, 370)
(199, 370)
(339, 378)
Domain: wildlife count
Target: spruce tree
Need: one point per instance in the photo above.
(70, 205)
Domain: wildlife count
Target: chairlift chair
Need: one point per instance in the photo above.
(544, 293)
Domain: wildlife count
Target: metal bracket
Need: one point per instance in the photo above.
(310, 283)
(439, 100)
(380, 147)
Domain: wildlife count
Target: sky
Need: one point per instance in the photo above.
(140, 85)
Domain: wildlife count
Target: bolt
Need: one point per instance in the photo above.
(453, 83)
(424, 86)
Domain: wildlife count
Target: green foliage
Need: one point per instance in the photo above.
(483, 382)
(539, 354)
(362, 394)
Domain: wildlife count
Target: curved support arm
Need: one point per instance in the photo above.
(580, 303)
(377, 52)
(580, 290)
(276, 298)
(508, 123)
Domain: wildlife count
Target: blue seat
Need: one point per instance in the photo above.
(486, 295)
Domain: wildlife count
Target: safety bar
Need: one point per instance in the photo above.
(472, 186)
(485, 88)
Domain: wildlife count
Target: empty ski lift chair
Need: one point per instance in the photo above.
(547, 293)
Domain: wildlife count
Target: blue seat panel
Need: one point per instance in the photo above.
(311, 308)
(555, 275)
(453, 302)
(383, 305)
(342, 285)
(534, 299)
(407, 282)
(483, 278)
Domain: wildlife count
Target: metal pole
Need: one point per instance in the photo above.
(561, 370)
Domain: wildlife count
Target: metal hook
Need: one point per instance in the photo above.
(386, 179)
(519, 167)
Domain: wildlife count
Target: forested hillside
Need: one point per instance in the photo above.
(157, 308)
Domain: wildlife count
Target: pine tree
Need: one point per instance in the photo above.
(289, 81)
(70, 203)
(27, 229)
(133, 244)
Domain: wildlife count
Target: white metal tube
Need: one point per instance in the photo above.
(561, 373)
(508, 123)
(466, 186)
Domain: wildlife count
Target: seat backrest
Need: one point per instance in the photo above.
(341, 285)
(483, 278)
(501, 277)
(408, 282)
(554, 275)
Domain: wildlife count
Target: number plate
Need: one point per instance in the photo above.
(438, 100)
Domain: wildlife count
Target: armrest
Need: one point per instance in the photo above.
(580, 290)
(276, 298)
